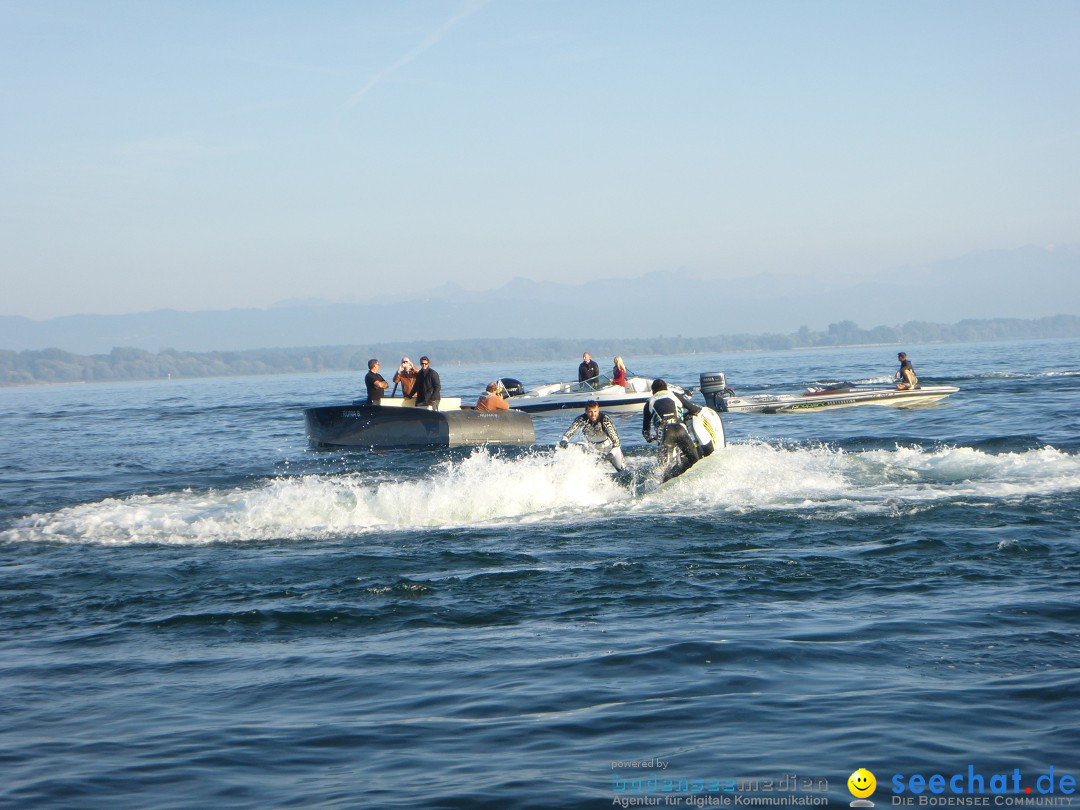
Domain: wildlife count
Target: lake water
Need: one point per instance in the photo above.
(197, 610)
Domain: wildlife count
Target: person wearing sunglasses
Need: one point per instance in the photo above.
(428, 388)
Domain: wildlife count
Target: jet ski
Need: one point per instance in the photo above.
(679, 450)
(719, 395)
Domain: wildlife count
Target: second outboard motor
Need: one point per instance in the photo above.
(512, 387)
(714, 389)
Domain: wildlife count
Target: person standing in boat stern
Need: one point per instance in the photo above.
(428, 388)
(600, 432)
(618, 373)
(906, 374)
(588, 369)
(406, 376)
(375, 383)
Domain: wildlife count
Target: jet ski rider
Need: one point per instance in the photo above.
(666, 412)
(600, 432)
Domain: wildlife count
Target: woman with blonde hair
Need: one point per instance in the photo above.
(618, 374)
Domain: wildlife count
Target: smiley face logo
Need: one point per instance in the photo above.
(861, 783)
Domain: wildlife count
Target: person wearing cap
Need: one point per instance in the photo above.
(406, 376)
(906, 373)
(428, 387)
(490, 400)
(599, 431)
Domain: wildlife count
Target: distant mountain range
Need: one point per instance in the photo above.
(1029, 282)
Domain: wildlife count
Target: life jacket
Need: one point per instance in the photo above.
(677, 415)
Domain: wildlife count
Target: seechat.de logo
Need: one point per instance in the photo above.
(861, 784)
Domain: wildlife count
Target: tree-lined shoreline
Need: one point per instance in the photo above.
(34, 367)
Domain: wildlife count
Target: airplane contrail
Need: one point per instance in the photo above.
(468, 9)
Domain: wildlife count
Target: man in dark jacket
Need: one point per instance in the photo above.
(588, 369)
(428, 387)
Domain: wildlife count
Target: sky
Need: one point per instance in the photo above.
(213, 154)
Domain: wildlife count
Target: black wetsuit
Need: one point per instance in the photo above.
(673, 433)
(665, 410)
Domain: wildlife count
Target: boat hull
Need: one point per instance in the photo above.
(795, 403)
(386, 427)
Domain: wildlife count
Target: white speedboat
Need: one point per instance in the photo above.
(561, 396)
(818, 398)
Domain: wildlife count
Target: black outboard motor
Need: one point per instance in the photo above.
(714, 390)
(512, 387)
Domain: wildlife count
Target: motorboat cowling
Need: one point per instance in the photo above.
(512, 387)
(714, 389)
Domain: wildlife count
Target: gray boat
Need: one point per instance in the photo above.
(399, 423)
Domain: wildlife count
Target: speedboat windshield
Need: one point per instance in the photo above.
(591, 384)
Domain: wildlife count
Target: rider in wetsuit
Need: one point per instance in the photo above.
(666, 412)
(599, 431)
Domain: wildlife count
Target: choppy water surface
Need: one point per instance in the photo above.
(197, 610)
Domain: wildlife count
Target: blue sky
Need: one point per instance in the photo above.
(209, 155)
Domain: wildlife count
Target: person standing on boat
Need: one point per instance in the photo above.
(428, 388)
(599, 431)
(666, 413)
(906, 374)
(490, 399)
(588, 370)
(375, 383)
(618, 373)
(406, 376)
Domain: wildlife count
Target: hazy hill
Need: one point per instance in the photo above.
(1030, 282)
(57, 366)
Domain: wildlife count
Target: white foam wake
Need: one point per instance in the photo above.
(1028, 375)
(766, 477)
(483, 488)
(492, 490)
